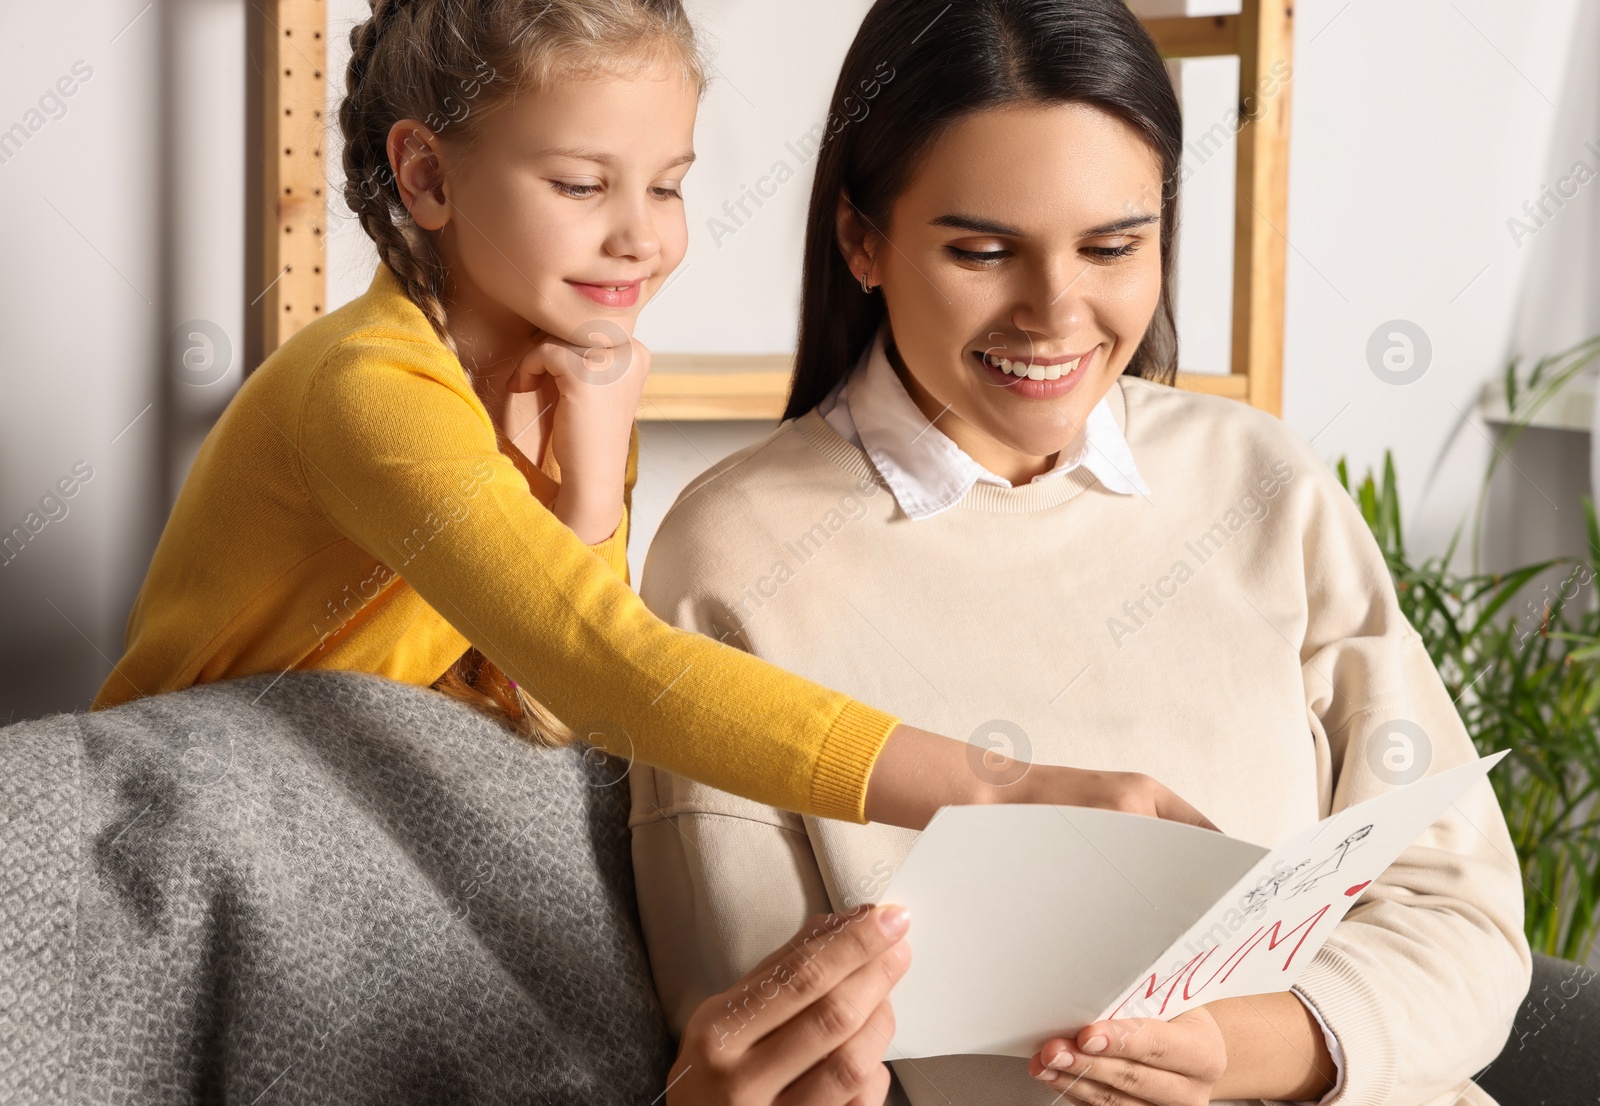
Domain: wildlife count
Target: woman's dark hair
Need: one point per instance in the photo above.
(931, 63)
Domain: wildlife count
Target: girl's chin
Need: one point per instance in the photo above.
(601, 328)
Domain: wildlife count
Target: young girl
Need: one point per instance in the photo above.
(983, 461)
(431, 483)
(379, 495)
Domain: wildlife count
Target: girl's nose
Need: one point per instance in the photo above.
(633, 235)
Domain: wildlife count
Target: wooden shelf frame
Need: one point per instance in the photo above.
(286, 253)
(1262, 37)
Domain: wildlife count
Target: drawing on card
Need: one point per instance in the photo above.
(1330, 863)
(1256, 899)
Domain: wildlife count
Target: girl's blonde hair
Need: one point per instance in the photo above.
(448, 64)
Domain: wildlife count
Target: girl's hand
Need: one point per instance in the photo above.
(917, 772)
(1130, 792)
(1137, 1061)
(595, 394)
(527, 413)
(808, 1026)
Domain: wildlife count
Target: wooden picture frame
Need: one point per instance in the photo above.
(286, 252)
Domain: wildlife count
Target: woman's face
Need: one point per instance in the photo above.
(1020, 270)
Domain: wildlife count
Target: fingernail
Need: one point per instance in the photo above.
(901, 952)
(894, 920)
(1058, 1060)
(1095, 1044)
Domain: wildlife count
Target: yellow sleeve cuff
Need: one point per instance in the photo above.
(839, 784)
(614, 550)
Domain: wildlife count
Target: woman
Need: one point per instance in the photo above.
(988, 509)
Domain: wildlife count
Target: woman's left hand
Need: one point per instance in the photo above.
(1134, 1061)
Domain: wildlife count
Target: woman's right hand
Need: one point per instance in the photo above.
(808, 1026)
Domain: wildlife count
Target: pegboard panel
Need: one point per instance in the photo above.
(290, 283)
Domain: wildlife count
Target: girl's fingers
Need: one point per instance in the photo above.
(854, 1074)
(1174, 808)
(571, 362)
(548, 357)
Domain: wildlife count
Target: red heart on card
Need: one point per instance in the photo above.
(1357, 888)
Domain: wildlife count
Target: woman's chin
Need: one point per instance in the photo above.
(1041, 441)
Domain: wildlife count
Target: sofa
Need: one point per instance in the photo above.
(333, 887)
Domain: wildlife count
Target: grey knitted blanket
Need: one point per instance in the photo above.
(328, 887)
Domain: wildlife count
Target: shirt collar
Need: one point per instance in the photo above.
(927, 472)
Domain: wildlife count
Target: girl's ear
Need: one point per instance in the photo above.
(856, 241)
(417, 156)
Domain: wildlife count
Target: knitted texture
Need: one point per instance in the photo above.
(320, 886)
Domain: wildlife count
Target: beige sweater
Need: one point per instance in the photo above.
(1234, 634)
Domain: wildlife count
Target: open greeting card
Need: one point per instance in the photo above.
(1031, 921)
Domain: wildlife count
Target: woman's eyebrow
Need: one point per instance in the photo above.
(974, 224)
(984, 226)
(1122, 224)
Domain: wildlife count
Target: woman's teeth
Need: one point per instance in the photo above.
(1032, 372)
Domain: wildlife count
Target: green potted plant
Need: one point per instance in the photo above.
(1522, 661)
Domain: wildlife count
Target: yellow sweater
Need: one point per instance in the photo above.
(352, 509)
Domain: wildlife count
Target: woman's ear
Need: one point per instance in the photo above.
(418, 159)
(856, 241)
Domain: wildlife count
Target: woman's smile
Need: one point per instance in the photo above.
(1039, 378)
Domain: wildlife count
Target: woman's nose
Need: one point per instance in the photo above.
(1051, 300)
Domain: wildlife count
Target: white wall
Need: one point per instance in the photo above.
(1419, 129)
(1417, 132)
(118, 226)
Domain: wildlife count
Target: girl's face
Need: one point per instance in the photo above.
(1021, 268)
(566, 209)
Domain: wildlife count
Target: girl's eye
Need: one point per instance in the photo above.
(666, 192)
(577, 190)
